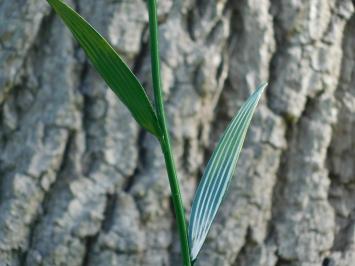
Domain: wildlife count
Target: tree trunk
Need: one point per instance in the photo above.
(82, 184)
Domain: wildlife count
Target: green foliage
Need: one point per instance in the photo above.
(111, 67)
(218, 174)
(124, 83)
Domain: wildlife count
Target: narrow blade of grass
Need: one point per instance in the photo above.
(218, 174)
(111, 67)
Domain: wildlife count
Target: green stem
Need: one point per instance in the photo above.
(164, 138)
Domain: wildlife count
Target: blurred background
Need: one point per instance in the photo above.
(82, 184)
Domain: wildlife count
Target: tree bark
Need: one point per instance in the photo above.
(82, 184)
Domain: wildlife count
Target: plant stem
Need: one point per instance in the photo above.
(164, 138)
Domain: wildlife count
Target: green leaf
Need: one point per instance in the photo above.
(111, 67)
(218, 174)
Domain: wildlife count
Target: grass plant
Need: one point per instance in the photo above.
(129, 90)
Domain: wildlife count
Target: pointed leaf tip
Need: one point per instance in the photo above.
(111, 67)
(219, 172)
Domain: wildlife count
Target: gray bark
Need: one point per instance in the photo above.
(82, 184)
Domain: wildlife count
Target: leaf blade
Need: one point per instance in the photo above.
(110, 66)
(218, 173)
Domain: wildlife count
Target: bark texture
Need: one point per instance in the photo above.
(82, 184)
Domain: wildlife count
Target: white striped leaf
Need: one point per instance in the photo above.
(218, 174)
